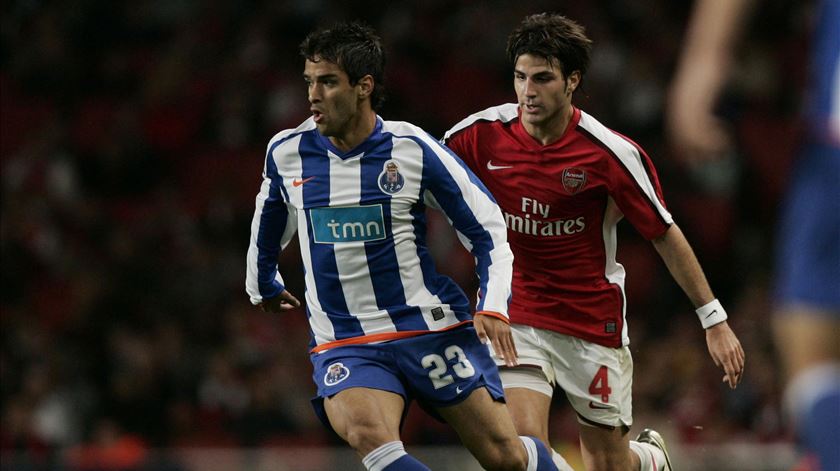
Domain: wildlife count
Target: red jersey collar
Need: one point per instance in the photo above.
(529, 141)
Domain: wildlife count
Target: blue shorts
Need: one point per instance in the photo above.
(437, 369)
(808, 254)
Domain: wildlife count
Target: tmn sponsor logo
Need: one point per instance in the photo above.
(347, 224)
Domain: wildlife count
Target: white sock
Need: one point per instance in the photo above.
(531, 449)
(386, 454)
(561, 464)
(651, 458)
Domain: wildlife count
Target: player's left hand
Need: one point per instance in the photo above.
(726, 351)
(280, 303)
(498, 333)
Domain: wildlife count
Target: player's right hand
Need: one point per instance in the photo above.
(497, 331)
(282, 302)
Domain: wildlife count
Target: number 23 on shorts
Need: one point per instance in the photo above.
(439, 366)
(600, 384)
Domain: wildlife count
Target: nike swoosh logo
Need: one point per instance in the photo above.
(297, 182)
(593, 405)
(458, 389)
(711, 313)
(490, 166)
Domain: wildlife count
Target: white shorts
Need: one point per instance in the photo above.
(597, 380)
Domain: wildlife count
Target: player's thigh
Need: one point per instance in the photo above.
(597, 380)
(604, 448)
(443, 368)
(365, 417)
(806, 336)
(532, 354)
(528, 396)
(360, 394)
(486, 429)
(452, 375)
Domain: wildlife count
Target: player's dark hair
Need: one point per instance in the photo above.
(354, 47)
(551, 36)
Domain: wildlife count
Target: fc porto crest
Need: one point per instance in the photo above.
(391, 180)
(573, 179)
(336, 373)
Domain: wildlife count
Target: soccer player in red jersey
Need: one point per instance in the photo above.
(563, 181)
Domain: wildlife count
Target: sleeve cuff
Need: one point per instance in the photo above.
(493, 314)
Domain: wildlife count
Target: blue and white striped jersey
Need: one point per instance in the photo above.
(360, 218)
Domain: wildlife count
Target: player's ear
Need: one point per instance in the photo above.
(572, 82)
(365, 87)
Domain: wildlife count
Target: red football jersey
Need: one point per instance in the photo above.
(561, 203)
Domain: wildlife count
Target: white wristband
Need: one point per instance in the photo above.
(711, 314)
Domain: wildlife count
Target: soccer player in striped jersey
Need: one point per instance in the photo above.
(386, 328)
(563, 181)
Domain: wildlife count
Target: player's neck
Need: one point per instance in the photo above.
(358, 129)
(552, 129)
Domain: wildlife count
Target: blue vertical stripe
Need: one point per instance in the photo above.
(439, 285)
(316, 193)
(449, 197)
(382, 255)
(272, 225)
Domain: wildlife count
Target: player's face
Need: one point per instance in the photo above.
(334, 102)
(544, 94)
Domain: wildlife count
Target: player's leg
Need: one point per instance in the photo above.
(363, 400)
(598, 383)
(365, 418)
(369, 420)
(807, 341)
(528, 396)
(609, 448)
(807, 319)
(606, 448)
(529, 387)
(529, 409)
(452, 373)
(486, 429)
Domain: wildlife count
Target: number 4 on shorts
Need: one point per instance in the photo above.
(600, 384)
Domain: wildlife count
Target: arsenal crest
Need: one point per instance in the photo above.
(336, 373)
(573, 180)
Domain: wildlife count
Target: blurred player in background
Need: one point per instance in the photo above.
(386, 328)
(564, 181)
(807, 304)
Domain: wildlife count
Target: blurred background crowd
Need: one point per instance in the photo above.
(133, 138)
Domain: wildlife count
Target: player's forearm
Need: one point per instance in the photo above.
(494, 288)
(683, 265)
(270, 231)
(709, 45)
(714, 28)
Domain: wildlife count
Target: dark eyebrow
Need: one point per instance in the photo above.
(545, 74)
(322, 77)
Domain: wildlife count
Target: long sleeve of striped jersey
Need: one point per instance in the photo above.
(471, 209)
(273, 226)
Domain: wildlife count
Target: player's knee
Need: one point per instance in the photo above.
(365, 437)
(505, 456)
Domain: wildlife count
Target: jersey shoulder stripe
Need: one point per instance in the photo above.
(404, 130)
(504, 113)
(285, 134)
(628, 156)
